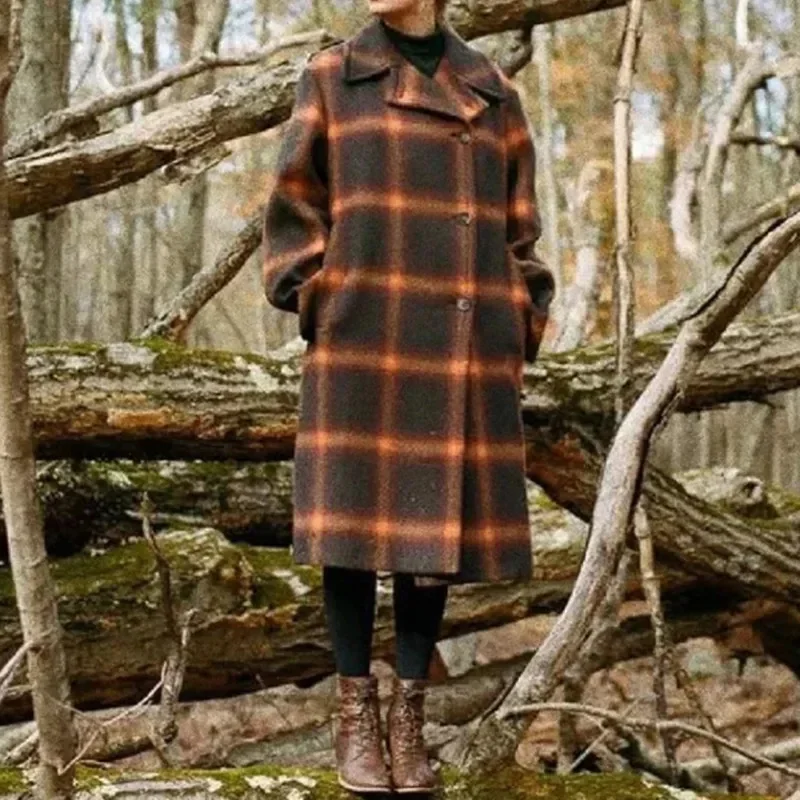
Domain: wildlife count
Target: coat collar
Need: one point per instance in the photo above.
(463, 85)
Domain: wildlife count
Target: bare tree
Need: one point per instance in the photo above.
(34, 588)
(41, 86)
(200, 24)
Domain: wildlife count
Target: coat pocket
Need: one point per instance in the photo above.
(522, 302)
(307, 305)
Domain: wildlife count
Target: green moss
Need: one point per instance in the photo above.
(171, 355)
(784, 501)
(131, 564)
(509, 784)
(69, 348)
(271, 590)
(12, 780)
(543, 501)
(122, 585)
(232, 782)
(515, 783)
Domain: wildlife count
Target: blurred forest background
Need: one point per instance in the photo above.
(101, 268)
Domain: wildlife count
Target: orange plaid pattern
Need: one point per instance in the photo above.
(401, 231)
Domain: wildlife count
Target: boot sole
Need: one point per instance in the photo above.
(352, 787)
(417, 790)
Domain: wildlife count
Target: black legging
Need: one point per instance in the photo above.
(350, 612)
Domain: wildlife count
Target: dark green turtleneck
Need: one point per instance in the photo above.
(424, 52)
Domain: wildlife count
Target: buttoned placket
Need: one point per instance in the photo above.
(464, 304)
(409, 89)
(465, 217)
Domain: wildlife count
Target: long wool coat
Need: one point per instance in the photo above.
(401, 231)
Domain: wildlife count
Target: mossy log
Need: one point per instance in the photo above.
(157, 400)
(260, 620)
(270, 783)
(99, 502)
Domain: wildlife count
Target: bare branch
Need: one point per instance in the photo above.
(165, 728)
(11, 667)
(709, 768)
(753, 74)
(623, 473)
(652, 593)
(782, 142)
(592, 654)
(45, 179)
(624, 284)
(81, 119)
(650, 724)
(176, 318)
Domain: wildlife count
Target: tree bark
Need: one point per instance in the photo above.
(200, 24)
(148, 264)
(97, 503)
(121, 232)
(41, 87)
(579, 300)
(33, 590)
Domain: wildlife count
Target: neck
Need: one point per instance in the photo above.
(417, 22)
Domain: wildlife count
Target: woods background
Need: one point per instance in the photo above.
(140, 138)
(99, 270)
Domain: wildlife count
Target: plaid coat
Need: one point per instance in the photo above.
(401, 231)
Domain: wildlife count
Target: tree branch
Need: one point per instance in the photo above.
(81, 119)
(622, 478)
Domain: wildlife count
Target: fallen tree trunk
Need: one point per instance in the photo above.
(276, 783)
(98, 502)
(758, 558)
(159, 400)
(260, 620)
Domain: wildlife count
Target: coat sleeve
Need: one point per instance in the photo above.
(296, 218)
(524, 223)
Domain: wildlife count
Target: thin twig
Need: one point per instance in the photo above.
(165, 728)
(624, 283)
(207, 283)
(685, 684)
(11, 668)
(652, 593)
(592, 653)
(603, 735)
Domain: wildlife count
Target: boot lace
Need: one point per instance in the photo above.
(365, 727)
(409, 719)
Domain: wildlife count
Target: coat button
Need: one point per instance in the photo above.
(465, 137)
(464, 217)
(463, 304)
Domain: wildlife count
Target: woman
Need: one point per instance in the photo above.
(401, 231)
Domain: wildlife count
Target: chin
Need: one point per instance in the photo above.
(390, 6)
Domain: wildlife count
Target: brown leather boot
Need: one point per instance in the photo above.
(359, 752)
(411, 770)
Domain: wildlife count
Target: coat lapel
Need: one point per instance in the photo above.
(462, 87)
